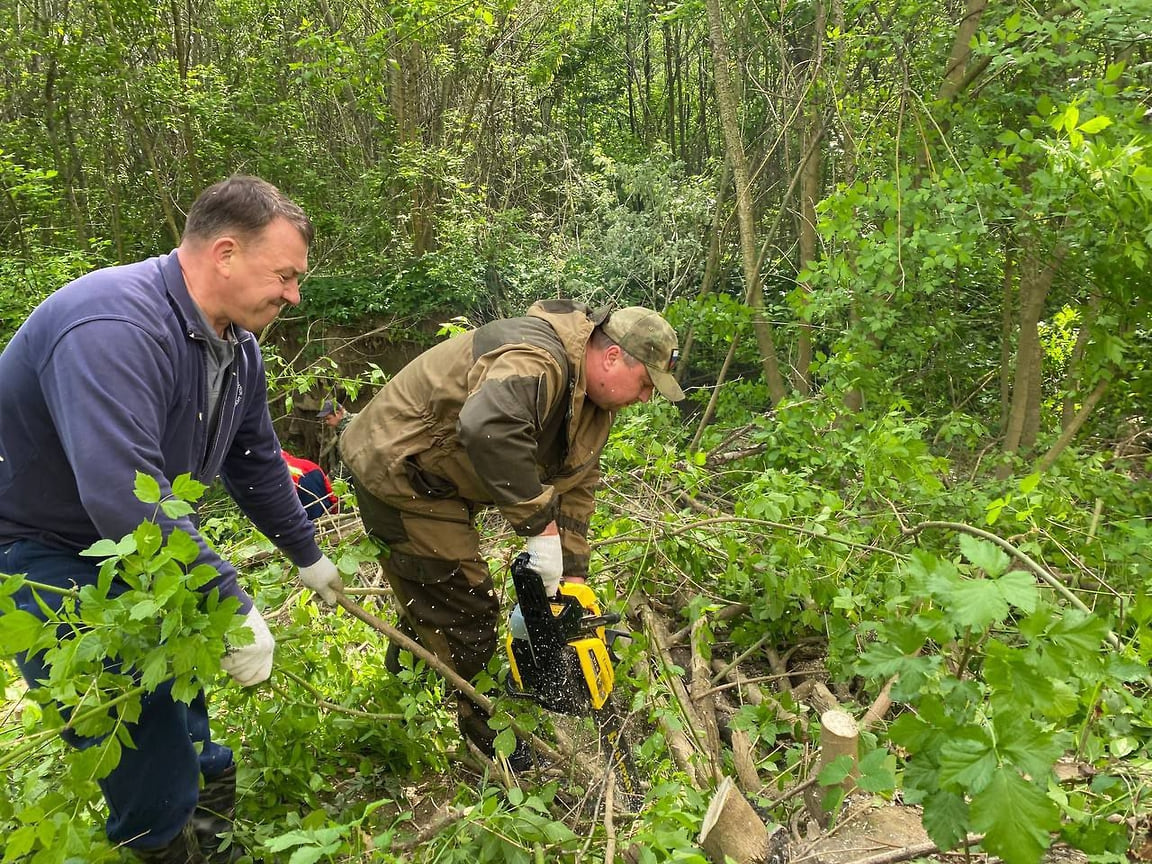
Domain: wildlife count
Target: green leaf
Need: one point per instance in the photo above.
(102, 549)
(144, 609)
(19, 843)
(977, 604)
(147, 488)
(1075, 640)
(835, 771)
(1096, 124)
(155, 669)
(505, 742)
(1019, 589)
(946, 818)
(1016, 817)
(987, 556)
(18, 631)
(187, 489)
(288, 840)
(967, 762)
(148, 538)
(1023, 743)
(182, 547)
(306, 855)
(201, 575)
(176, 509)
(1011, 672)
(875, 772)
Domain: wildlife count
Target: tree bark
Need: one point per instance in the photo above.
(734, 144)
(1024, 416)
(961, 50)
(1073, 426)
(1008, 284)
(711, 265)
(809, 194)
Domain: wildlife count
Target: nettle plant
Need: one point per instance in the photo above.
(1002, 681)
(104, 648)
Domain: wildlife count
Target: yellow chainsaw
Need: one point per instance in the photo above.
(560, 656)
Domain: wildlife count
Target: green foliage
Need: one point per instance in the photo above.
(998, 675)
(104, 649)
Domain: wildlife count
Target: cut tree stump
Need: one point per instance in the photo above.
(839, 736)
(733, 830)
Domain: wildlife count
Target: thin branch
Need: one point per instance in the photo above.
(332, 706)
(1040, 571)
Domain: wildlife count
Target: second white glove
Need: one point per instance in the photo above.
(323, 578)
(546, 558)
(251, 664)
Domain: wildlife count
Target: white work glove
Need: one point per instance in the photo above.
(323, 578)
(251, 664)
(546, 558)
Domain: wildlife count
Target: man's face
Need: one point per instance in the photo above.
(264, 275)
(614, 382)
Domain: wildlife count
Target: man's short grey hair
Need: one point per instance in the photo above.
(601, 341)
(244, 205)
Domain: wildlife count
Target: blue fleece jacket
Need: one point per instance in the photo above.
(107, 377)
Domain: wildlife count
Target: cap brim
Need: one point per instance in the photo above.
(320, 415)
(667, 385)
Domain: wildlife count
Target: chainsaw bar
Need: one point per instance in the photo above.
(615, 745)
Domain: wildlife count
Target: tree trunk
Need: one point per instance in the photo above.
(1074, 425)
(961, 50)
(711, 264)
(809, 194)
(734, 144)
(1006, 317)
(1023, 418)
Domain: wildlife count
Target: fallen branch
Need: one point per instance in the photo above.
(443, 818)
(754, 695)
(879, 706)
(726, 613)
(658, 639)
(450, 675)
(703, 703)
(908, 852)
(332, 706)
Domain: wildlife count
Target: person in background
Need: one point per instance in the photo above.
(313, 487)
(334, 415)
(513, 414)
(153, 367)
(335, 419)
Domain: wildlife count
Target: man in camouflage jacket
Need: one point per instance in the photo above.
(514, 415)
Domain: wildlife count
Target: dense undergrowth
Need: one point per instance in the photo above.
(1012, 616)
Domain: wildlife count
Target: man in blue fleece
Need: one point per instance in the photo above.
(153, 367)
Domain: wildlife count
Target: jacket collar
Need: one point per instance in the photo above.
(186, 309)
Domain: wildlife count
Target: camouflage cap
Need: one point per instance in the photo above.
(651, 340)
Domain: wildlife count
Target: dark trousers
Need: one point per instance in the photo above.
(443, 590)
(152, 792)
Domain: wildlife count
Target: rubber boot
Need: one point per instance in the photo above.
(473, 723)
(184, 849)
(213, 817)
